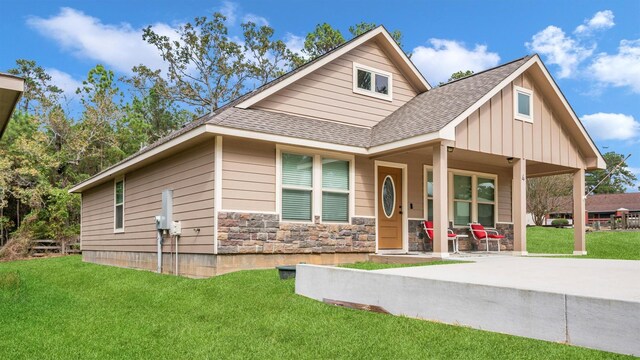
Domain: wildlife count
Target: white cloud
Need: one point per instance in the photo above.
(621, 69)
(560, 49)
(444, 57)
(229, 10)
(118, 46)
(609, 126)
(64, 81)
(256, 19)
(294, 43)
(600, 21)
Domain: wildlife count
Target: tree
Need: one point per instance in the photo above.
(321, 40)
(546, 195)
(458, 75)
(38, 89)
(206, 68)
(619, 179)
(267, 58)
(362, 27)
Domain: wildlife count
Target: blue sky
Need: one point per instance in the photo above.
(592, 48)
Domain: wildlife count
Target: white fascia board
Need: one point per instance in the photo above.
(153, 152)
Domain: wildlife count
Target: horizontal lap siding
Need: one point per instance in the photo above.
(327, 93)
(191, 176)
(365, 202)
(248, 175)
(493, 129)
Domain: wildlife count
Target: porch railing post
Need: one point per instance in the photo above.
(440, 210)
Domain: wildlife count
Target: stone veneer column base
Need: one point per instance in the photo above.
(208, 265)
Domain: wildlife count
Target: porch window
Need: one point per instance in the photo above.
(372, 82)
(335, 190)
(297, 187)
(523, 99)
(472, 197)
(118, 225)
(462, 200)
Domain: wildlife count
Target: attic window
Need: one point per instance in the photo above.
(372, 82)
(523, 100)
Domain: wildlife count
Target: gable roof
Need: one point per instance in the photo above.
(431, 115)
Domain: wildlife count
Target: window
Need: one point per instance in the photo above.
(472, 197)
(119, 205)
(315, 185)
(372, 82)
(297, 187)
(335, 190)
(523, 104)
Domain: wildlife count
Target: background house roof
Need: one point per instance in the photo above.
(605, 203)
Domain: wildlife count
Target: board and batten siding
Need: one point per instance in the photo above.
(327, 93)
(189, 173)
(493, 129)
(248, 175)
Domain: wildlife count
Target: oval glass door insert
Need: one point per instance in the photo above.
(388, 196)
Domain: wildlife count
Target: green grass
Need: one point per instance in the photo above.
(69, 309)
(369, 265)
(600, 245)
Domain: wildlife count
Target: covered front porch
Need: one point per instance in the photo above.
(452, 188)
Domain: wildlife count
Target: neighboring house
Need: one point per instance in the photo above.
(11, 88)
(600, 207)
(339, 159)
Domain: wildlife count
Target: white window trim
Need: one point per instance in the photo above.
(474, 201)
(372, 92)
(115, 204)
(516, 114)
(316, 188)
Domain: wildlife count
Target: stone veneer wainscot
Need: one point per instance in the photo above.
(259, 233)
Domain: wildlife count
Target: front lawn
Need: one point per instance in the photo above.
(600, 245)
(62, 308)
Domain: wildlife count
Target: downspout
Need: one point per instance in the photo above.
(177, 253)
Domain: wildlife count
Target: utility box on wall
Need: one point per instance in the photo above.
(165, 220)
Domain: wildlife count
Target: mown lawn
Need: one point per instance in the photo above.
(62, 308)
(600, 245)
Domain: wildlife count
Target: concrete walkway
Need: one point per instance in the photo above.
(584, 302)
(604, 279)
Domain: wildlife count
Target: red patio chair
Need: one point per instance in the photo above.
(480, 233)
(428, 228)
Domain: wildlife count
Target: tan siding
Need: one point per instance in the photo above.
(327, 93)
(248, 175)
(364, 179)
(544, 140)
(191, 176)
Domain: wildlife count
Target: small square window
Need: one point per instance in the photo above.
(372, 82)
(364, 79)
(523, 104)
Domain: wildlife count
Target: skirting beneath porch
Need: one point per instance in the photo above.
(207, 265)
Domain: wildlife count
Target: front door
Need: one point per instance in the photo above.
(389, 208)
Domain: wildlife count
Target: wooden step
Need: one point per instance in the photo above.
(45, 248)
(44, 241)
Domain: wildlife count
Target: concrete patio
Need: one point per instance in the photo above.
(583, 302)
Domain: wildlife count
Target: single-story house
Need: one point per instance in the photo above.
(600, 207)
(11, 88)
(341, 158)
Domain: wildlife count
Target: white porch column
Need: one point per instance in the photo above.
(440, 199)
(579, 246)
(519, 206)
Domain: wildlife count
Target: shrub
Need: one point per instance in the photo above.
(560, 222)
